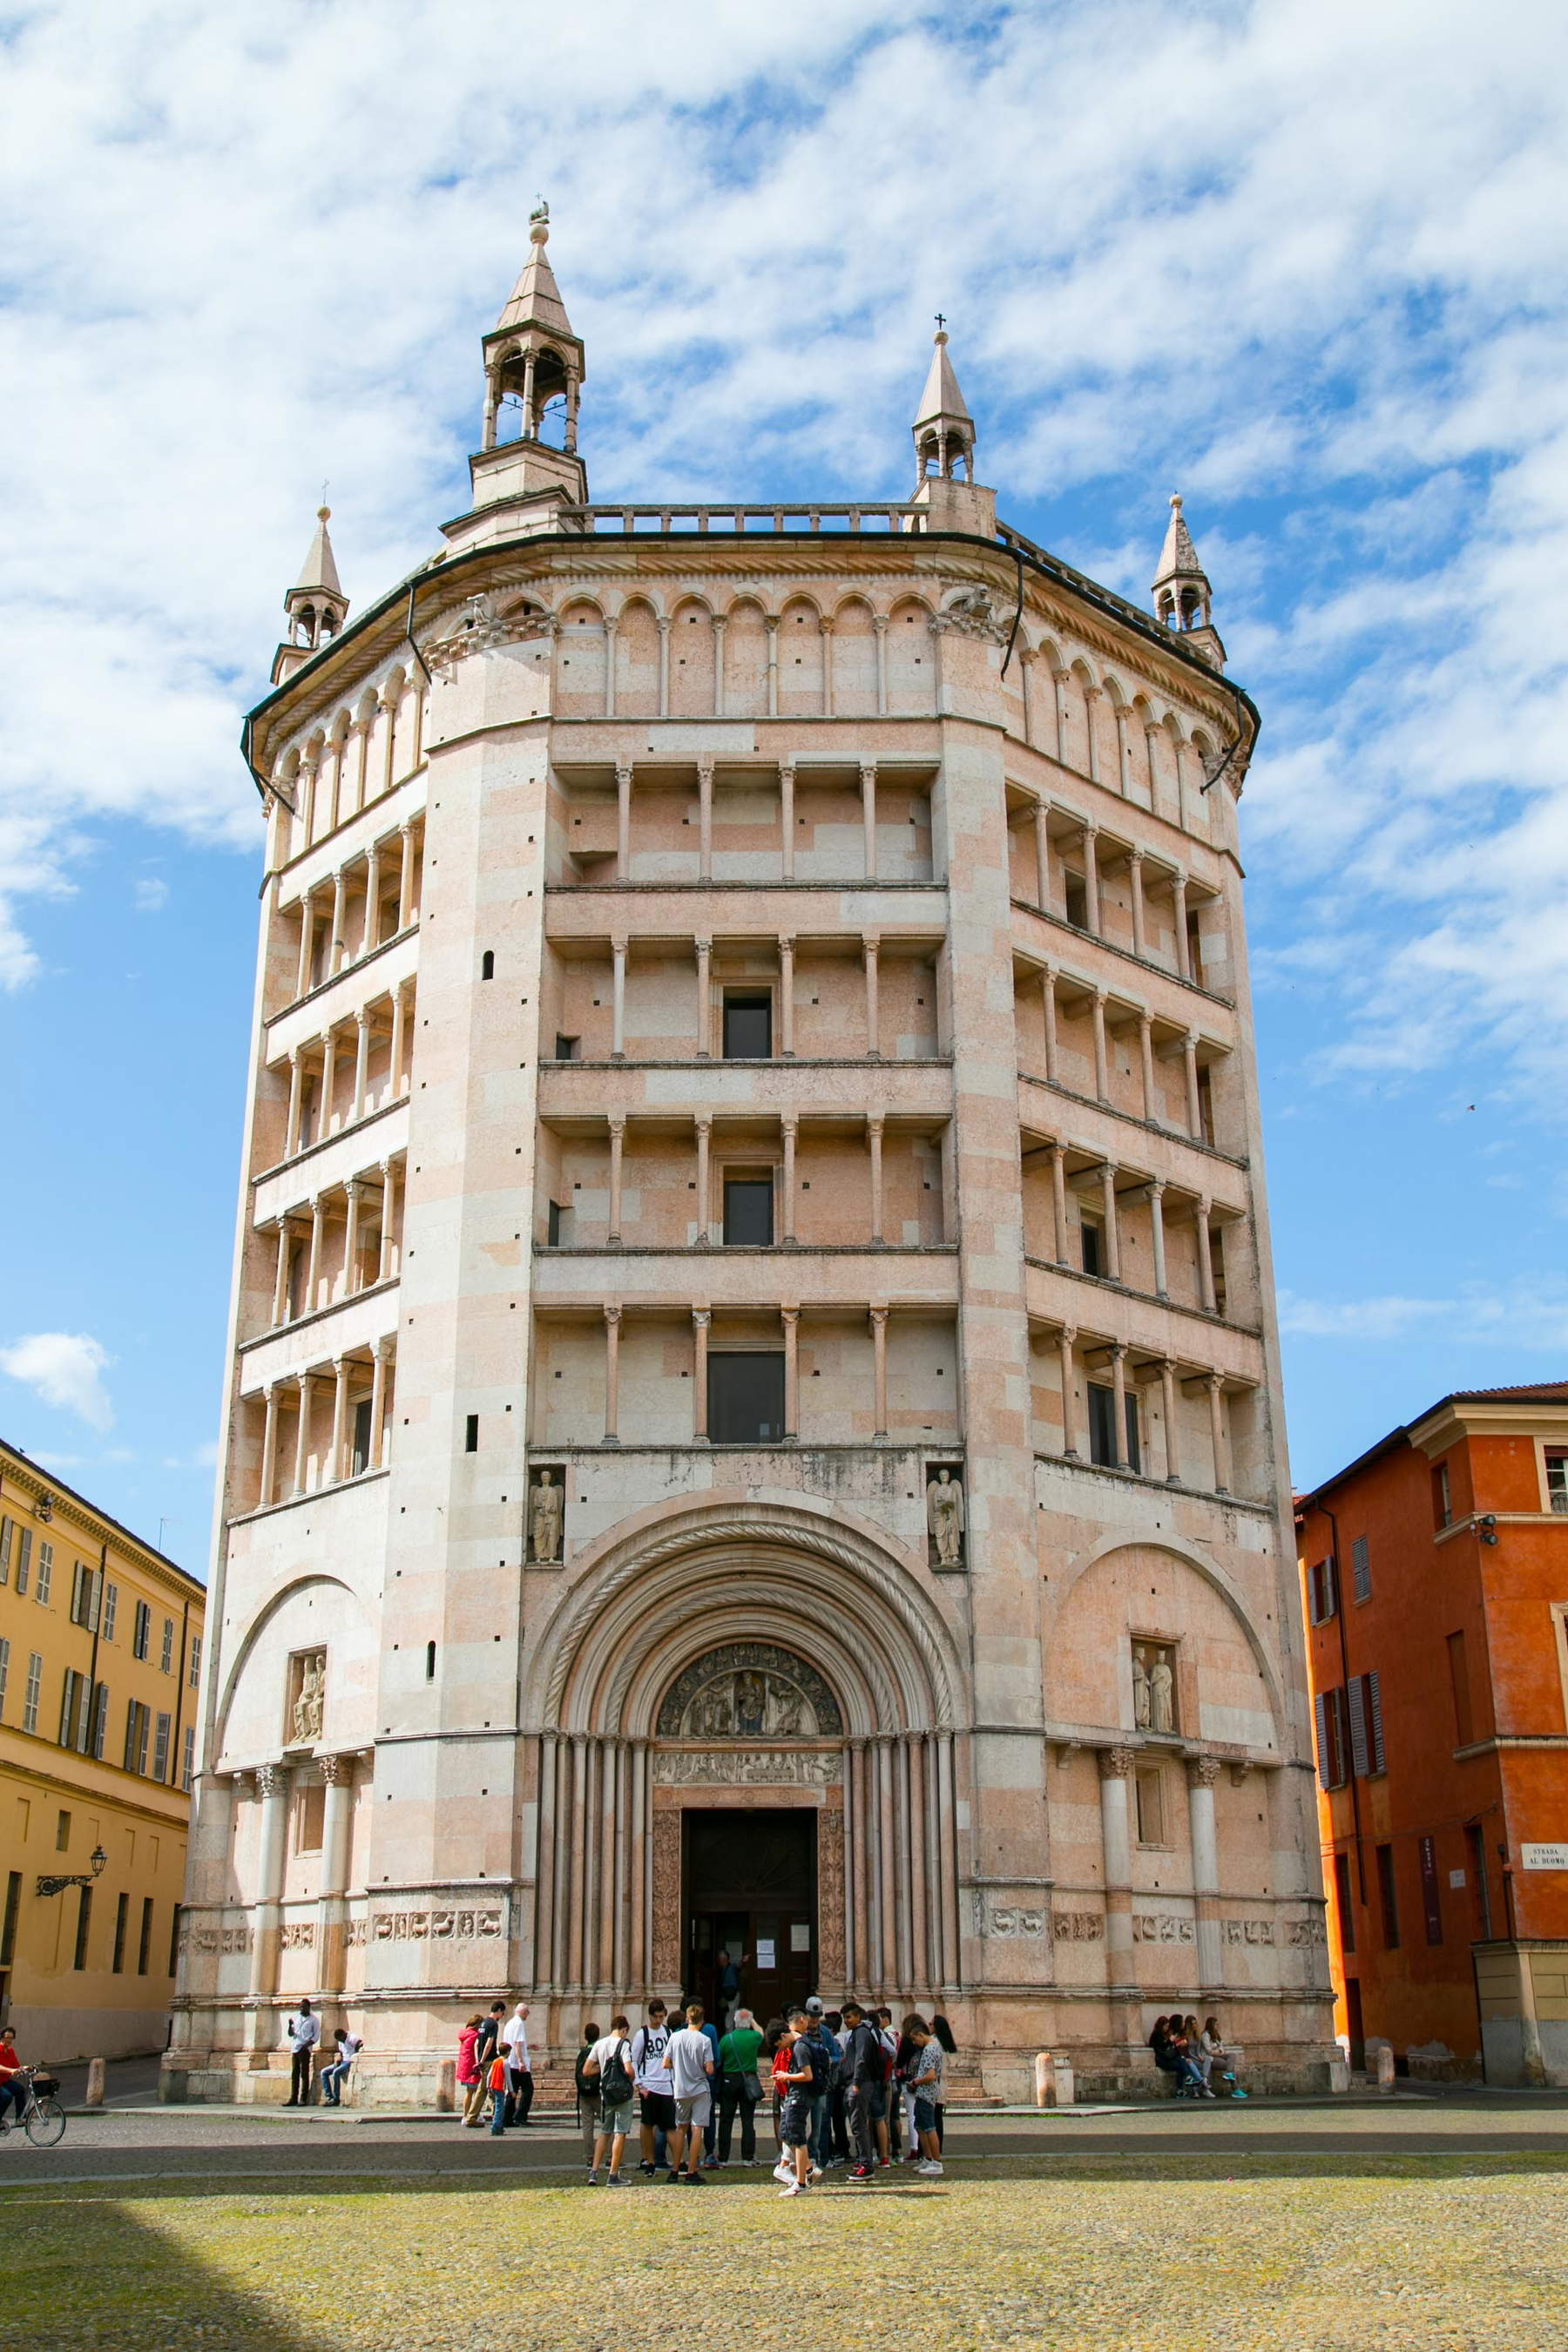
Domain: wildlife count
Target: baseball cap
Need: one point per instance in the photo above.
(813, 2006)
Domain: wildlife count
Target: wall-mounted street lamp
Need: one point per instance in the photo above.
(81, 1878)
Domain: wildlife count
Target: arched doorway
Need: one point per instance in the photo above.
(758, 1662)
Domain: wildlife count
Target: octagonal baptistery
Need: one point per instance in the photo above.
(754, 1461)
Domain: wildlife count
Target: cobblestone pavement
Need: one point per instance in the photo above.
(1401, 2227)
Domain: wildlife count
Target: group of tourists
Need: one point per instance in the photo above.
(493, 2063)
(845, 2088)
(1190, 2054)
(303, 2035)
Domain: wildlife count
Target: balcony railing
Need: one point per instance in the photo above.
(743, 519)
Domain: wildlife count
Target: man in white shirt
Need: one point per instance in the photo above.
(609, 2063)
(518, 2072)
(689, 2063)
(302, 2032)
(656, 2105)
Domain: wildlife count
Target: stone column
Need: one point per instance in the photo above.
(1206, 1258)
(612, 1375)
(787, 996)
(879, 623)
(361, 1058)
(874, 1144)
(1059, 681)
(339, 946)
(388, 1218)
(406, 877)
(701, 1316)
(704, 1222)
(771, 624)
(718, 626)
(296, 1102)
(786, 804)
(1042, 856)
(1168, 1416)
(1146, 1067)
(329, 1084)
(705, 820)
(829, 665)
(623, 821)
(309, 770)
(269, 1447)
(868, 816)
(1123, 752)
(947, 1852)
(617, 1139)
(636, 1968)
(611, 624)
(1149, 733)
(1179, 916)
(787, 1206)
(662, 624)
(855, 1860)
(704, 949)
(1140, 925)
(1065, 1342)
(545, 1866)
(1115, 1830)
(307, 940)
(578, 1838)
(1091, 695)
(1101, 1056)
(914, 1783)
(1216, 1386)
(871, 947)
(1112, 1238)
(880, 1368)
(281, 1280)
(313, 1263)
(396, 1076)
(1025, 666)
(302, 1381)
(371, 923)
(340, 1419)
(1157, 1227)
(1194, 1099)
(619, 1001)
(389, 711)
(1203, 1771)
(379, 1360)
(1048, 1015)
(338, 1772)
(561, 1865)
(1119, 1405)
(1176, 748)
(887, 1904)
(903, 1864)
(272, 1784)
(1092, 877)
(1058, 1204)
(790, 1318)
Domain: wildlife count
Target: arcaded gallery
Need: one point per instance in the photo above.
(755, 1415)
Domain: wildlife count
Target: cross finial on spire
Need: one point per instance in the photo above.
(940, 320)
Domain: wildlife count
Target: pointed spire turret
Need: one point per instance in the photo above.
(943, 429)
(531, 356)
(316, 605)
(1181, 588)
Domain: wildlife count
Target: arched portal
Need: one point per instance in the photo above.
(764, 1662)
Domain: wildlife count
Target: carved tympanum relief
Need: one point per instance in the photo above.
(749, 1690)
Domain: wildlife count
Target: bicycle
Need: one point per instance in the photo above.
(42, 2118)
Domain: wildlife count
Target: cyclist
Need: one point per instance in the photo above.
(12, 2081)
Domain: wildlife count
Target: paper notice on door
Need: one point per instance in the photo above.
(800, 1936)
(766, 1963)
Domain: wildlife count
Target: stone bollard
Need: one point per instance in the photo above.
(447, 2086)
(1386, 2068)
(1045, 2079)
(94, 2082)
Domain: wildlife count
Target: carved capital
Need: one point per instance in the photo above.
(1203, 1771)
(271, 1779)
(1115, 1763)
(336, 1769)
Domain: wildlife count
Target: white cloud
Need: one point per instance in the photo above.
(1530, 1313)
(1303, 255)
(149, 894)
(65, 1369)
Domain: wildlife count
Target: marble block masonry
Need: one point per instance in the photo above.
(754, 1401)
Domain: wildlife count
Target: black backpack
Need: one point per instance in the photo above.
(616, 2085)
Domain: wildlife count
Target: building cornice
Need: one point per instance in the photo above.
(30, 1480)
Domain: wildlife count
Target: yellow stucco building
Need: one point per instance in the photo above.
(100, 1651)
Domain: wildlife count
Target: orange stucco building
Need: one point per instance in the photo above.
(1435, 1577)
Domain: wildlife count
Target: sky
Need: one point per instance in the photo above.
(1305, 263)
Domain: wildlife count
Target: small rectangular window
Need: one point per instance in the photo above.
(1102, 1426)
(5, 1672)
(566, 1047)
(359, 1444)
(62, 1832)
(195, 1662)
(83, 1925)
(745, 1399)
(144, 1942)
(1459, 1689)
(1151, 1802)
(310, 1819)
(100, 1719)
(1320, 1593)
(143, 1633)
(188, 1760)
(138, 1728)
(552, 1228)
(122, 1922)
(747, 1028)
(1076, 893)
(1361, 1569)
(1388, 1897)
(1330, 1708)
(166, 1656)
(1343, 1902)
(46, 1574)
(1089, 1236)
(471, 1433)
(1442, 1498)
(1556, 1481)
(8, 1538)
(33, 1692)
(161, 1748)
(110, 1610)
(24, 1558)
(749, 1210)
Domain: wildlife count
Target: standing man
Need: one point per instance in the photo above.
(863, 2093)
(730, 1966)
(657, 2105)
(688, 2060)
(518, 2072)
(816, 2034)
(482, 2057)
(301, 2034)
(807, 2068)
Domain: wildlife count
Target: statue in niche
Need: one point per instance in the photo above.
(1142, 1703)
(945, 1518)
(544, 1508)
(310, 1704)
(750, 1705)
(1162, 1694)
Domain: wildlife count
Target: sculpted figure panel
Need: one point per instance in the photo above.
(749, 1690)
